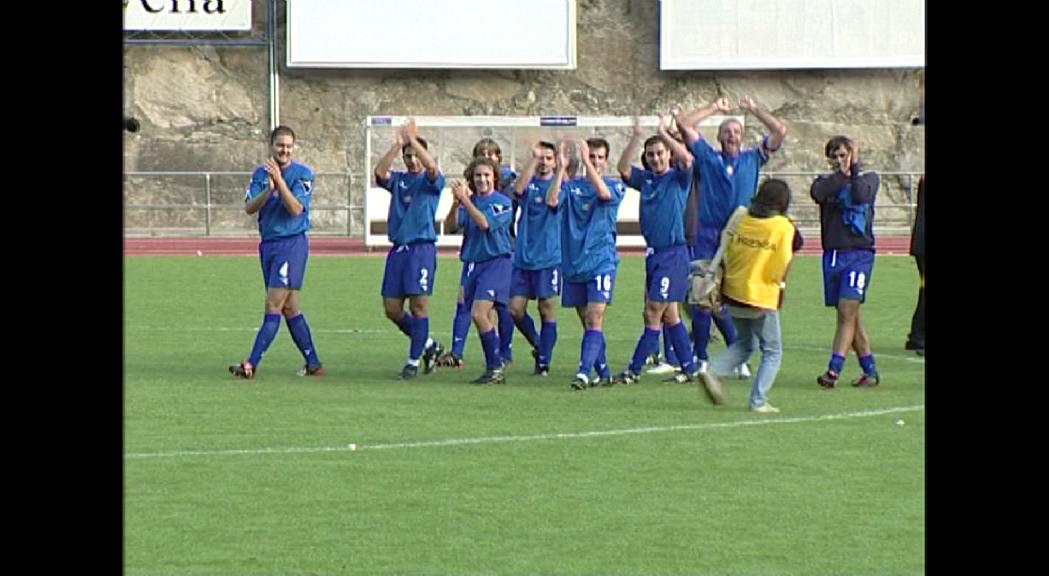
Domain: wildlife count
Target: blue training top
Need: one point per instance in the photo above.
(413, 206)
(725, 183)
(274, 219)
(481, 245)
(662, 208)
(539, 228)
(588, 232)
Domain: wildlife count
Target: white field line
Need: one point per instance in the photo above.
(761, 421)
(393, 333)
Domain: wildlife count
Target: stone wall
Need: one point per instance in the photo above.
(205, 108)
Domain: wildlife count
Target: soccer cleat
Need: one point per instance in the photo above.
(315, 370)
(867, 381)
(244, 370)
(541, 371)
(682, 378)
(828, 380)
(701, 366)
(765, 408)
(742, 371)
(712, 387)
(600, 382)
(409, 372)
(450, 360)
(627, 377)
(496, 376)
(580, 382)
(662, 369)
(654, 359)
(430, 356)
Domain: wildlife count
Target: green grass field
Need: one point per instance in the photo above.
(233, 477)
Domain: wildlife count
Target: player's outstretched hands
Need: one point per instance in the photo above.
(635, 126)
(410, 130)
(747, 103)
(723, 104)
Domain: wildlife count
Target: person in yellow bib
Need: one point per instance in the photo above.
(758, 254)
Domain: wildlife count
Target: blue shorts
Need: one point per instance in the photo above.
(596, 291)
(284, 261)
(666, 273)
(535, 284)
(846, 275)
(488, 280)
(707, 240)
(410, 270)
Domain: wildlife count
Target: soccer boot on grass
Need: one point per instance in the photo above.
(496, 376)
(315, 370)
(867, 381)
(828, 380)
(243, 370)
(430, 356)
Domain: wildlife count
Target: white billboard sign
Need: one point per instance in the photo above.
(187, 15)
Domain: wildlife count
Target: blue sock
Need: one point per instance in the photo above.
(679, 336)
(526, 326)
(405, 324)
(601, 364)
(265, 336)
(547, 339)
(700, 332)
(420, 333)
(648, 343)
(867, 363)
(300, 333)
(490, 343)
(837, 362)
(589, 351)
(506, 332)
(669, 352)
(460, 329)
(726, 325)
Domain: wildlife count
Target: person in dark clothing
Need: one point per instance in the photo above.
(846, 199)
(916, 339)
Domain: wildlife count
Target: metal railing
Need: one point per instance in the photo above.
(216, 203)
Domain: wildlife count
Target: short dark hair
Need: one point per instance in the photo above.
(773, 196)
(549, 146)
(421, 141)
(835, 143)
(599, 143)
(648, 142)
(279, 130)
(477, 161)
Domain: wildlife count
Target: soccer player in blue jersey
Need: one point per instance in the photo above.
(485, 215)
(588, 255)
(846, 200)
(728, 179)
(537, 253)
(484, 148)
(412, 261)
(664, 190)
(280, 192)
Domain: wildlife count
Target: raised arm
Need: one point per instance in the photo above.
(603, 193)
(553, 193)
(777, 129)
(382, 169)
(462, 195)
(688, 123)
(682, 156)
(630, 152)
(529, 171)
(411, 136)
(451, 221)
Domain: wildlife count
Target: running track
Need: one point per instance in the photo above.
(341, 246)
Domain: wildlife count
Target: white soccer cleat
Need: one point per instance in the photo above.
(661, 369)
(742, 371)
